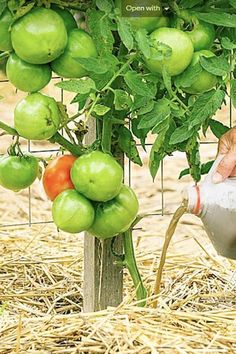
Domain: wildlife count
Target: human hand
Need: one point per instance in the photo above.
(227, 166)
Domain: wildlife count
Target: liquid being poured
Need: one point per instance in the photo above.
(168, 236)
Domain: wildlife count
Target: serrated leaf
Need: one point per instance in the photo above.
(100, 109)
(104, 5)
(219, 19)
(82, 86)
(157, 152)
(181, 134)
(215, 65)
(101, 30)
(139, 133)
(233, 91)
(127, 144)
(136, 83)
(189, 76)
(125, 33)
(122, 100)
(143, 42)
(217, 128)
(158, 114)
(146, 108)
(205, 168)
(100, 65)
(206, 106)
(189, 4)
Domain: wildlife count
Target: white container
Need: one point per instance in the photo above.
(215, 205)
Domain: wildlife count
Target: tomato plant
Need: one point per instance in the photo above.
(25, 76)
(56, 177)
(39, 36)
(18, 172)
(66, 15)
(116, 215)
(72, 212)
(6, 19)
(37, 117)
(98, 176)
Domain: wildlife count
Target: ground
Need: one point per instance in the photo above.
(42, 270)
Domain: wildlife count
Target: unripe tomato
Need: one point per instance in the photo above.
(37, 117)
(6, 20)
(98, 176)
(205, 81)
(68, 18)
(18, 172)
(147, 22)
(40, 36)
(27, 77)
(202, 35)
(182, 51)
(80, 45)
(116, 215)
(72, 212)
(56, 177)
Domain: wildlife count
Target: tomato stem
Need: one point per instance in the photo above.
(130, 263)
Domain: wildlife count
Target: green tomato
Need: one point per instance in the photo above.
(80, 45)
(147, 22)
(98, 176)
(66, 15)
(72, 212)
(205, 81)
(6, 20)
(27, 77)
(181, 55)
(116, 215)
(37, 117)
(40, 36)
(18, 172)
(202, 35)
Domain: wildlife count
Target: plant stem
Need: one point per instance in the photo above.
(130, 263)
(4, 55)
(57, 138)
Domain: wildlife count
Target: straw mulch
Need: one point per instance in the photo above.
(41, 300)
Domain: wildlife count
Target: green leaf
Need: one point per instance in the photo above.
(160, 51)
(181, 134)
(227, 43)
(146, 108)
(189, 76)
(125, 33)
(139, 133)
(100, 109)
(100, 65)
(157, 152)
(104, 5)
(101, 30)
(3, 5)
(82, 86)
(122, 100)
(160, 112)
(219, 19)
(137, 84)
(193, 156)
(81, 99)
(143, 42)
(233, 3)
(127, 144)
(167, 80)
(205, 107)
(188, 4)
(233, 91)
(217, 128)
(140, 101)
(205, 168)
(215, 65)
(21, 11)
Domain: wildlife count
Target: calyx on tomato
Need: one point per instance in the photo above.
(56, 177)
(116, 215)
(202, 35)
(205, 80)
(37, 117)
(40, 36)
(98, 176)
(25, 76)
(80, 45)
(181, 51)
(72, 212)
(18, 172)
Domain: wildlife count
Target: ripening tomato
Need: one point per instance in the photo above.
(56, 178)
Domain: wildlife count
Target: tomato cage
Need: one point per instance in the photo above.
(103, 276)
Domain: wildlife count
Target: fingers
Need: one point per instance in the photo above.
(225, 167)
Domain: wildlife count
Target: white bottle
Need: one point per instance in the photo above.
(215, 204)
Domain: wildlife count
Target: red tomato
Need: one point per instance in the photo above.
(56, 178)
